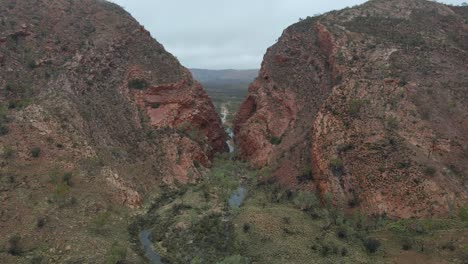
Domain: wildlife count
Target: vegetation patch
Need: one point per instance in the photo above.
(138, 84)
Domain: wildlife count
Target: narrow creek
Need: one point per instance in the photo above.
(234, 201)
(229, 131)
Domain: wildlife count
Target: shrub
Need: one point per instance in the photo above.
(275, 140)
(306, 200)
(325, 250)
(41, 221)
(464, 214)
(407, 243)
(449, 246)
(391, 123)
(117, 254)
(8, 152)
(344, 252)
(342, 233)
(66, 178)
(100, 222)
(14, 247)
(32, 64)
(138, 84)
(4, 129)
(371, 244)
(354, 107)
(431, 171)
(61, 193)
(35, 152)
(3, 121)
(37, 260)
(246, 227)
(236, 259)
(155, 105)
(336, 166)
(403, 164)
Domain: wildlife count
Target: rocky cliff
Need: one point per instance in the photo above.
(367, 105)
(94, 113)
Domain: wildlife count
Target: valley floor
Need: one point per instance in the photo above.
(196, 224)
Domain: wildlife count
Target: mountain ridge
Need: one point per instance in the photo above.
(350, 84)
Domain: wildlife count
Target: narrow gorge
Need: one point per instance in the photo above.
(348, 145)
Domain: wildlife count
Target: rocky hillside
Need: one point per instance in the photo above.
(368, 105)
(94, 114)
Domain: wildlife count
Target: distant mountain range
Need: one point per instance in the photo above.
(224, 76)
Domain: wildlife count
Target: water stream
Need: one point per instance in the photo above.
(224, 114)
(147, 245)
(234, 201)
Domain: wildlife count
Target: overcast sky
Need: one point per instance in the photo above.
(217, 34)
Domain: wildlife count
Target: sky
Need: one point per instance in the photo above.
(217, 34)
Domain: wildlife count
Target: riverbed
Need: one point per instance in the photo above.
(234, 201)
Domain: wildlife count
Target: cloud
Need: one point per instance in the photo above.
(217, 34)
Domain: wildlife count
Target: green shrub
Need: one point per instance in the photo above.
(8, 152)
(306, 200)
(407, 243)
(32, 64)
(236, 259)
(61, 193)
(464, 214)
(342, 233)
(337, 166)
(37, 260)
(41, 221)
(354, 107)
(3, 121)
(138, 84)
(371, 244)
(117, 254)
(101, 221)
(19, 104)
(344, 252)
(246, 227)
(391, 123)
(155, 105)
(4, 129)
(14, 247)
(449, 246)
(275, 140)
(428, 170)
(66, 178)
(35, 152)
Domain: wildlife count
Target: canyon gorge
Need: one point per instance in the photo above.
(350, 145)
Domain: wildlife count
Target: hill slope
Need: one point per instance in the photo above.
(369, 106)
(94, 115)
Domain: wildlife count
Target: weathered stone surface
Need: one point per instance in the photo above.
(367, 104)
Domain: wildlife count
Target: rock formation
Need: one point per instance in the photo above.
(367, 105)
(94, 113)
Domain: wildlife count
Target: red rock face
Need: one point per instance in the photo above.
(272, 125)
(185, 108)
(183, 105)
(346, 106)
(103, 78)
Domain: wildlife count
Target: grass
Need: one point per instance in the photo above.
(295, 228)
(197, 213)
(280, 233)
